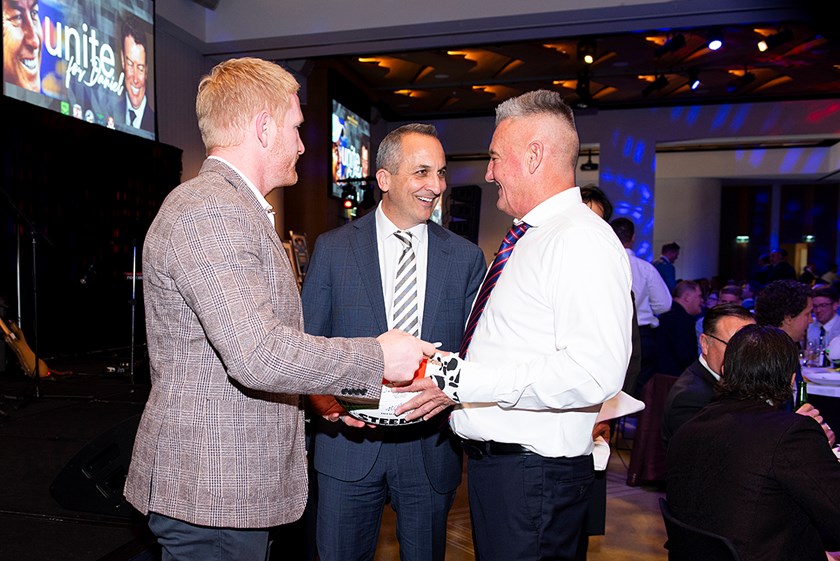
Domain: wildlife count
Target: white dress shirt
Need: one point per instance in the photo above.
(553, 342)
(832, 330)
(390, 249)
(137, 112)
(652, 294)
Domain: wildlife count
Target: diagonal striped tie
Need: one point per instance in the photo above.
(516, 232)
(405, 289)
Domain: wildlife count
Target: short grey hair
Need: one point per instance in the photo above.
(388, 154)
(534, 103)
(546, 103)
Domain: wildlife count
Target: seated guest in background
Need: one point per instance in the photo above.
(676, 343)
(695, 388)
(652, 298)
(764, 478)
(729, 294)
(748, 291)
(827, 325)
(665, 264)
(785, 304)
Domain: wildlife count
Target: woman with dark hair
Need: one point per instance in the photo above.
(764, 478)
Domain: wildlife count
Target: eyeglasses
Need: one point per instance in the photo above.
(716, 338)
(820, 306)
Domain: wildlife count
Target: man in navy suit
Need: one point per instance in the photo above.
(349, 290)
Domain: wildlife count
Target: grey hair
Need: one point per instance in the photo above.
(533, 103)
(388, 154)
(549, 104)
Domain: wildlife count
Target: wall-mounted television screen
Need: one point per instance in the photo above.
(350, 150)
(88, 59)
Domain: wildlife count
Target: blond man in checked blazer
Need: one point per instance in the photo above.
(219, 455)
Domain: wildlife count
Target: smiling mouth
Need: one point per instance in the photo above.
(426, 199)
(134, 89)
(30, 64)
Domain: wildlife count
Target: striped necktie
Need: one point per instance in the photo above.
(516, 232)
(405, 288)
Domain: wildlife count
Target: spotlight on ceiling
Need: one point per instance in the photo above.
(659, 83)
(589, 165)
(674, 44)
(586, 50)
(773, 41)
(693, 79)
(740, 82)
(715, 40)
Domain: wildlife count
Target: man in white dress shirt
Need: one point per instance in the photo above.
(826, 325)
(652, 299)
(543, 354)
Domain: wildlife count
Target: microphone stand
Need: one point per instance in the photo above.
(34, 233)
(133, 306)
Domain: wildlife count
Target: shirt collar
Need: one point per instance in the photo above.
(386, 228)
(706, 366)
(551, 207)
(260, 198)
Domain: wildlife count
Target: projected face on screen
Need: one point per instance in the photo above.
(90, 59)
(22, 38)
(134, 66)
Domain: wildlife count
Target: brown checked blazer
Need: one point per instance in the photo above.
(221, 440)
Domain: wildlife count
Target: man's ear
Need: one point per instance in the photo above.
(704, 344)
(262, 127)
(535, 155)
(383, 178)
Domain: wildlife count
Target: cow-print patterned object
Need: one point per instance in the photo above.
(448, 376)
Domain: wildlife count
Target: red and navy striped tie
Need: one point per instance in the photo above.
(516, 232)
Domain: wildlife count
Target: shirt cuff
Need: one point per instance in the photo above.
(445, 371)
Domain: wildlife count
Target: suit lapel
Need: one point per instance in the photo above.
(437, 271)
(365, 250)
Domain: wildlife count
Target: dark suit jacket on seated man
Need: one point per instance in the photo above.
(544, 348)
(219, 455)
(762, 477)
(695, 388)
(349, 291)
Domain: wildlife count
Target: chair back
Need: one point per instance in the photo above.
(689, 543)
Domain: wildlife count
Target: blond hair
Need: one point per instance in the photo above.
(236, 90)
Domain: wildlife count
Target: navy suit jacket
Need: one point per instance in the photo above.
(676, 341)
(342, 297)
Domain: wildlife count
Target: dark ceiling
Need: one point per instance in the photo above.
(627, 71)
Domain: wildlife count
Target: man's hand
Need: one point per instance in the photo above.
(402, 354)
(327, 407)
(809, 410)
(429, 403)
(601, 429)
